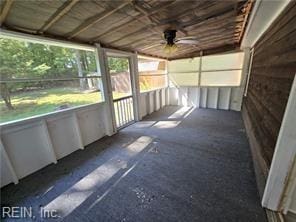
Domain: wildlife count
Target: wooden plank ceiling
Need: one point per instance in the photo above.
(133, 25)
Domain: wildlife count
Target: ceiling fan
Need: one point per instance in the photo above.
(170, 41)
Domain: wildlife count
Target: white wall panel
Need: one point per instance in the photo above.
(203, 97)
(28, 147)
(151, 101)
(143, 104)
(7, 171)
(224, 98)
(157, 100)
(212, 98)
(64, 135)
(183, 96)
(6, 177)
(91, 124)
(163, 99)
(236, 99)
(173, 96)
(193, 96)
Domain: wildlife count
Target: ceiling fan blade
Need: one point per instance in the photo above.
(187, 37)
(187, 41)
(150, 46)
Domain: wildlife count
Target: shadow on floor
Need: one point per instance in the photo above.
(178, 164)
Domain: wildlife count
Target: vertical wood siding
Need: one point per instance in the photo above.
(272, 74)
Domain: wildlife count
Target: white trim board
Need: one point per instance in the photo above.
(44, 40)
(283, 157)
(262, 16)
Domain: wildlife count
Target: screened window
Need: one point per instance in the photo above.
(215, 70)
(222, 70)
(184, 72)
(152, 74)
(37, 79)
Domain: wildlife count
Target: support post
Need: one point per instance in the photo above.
(101, 62)
(135, 85)
(199, 68)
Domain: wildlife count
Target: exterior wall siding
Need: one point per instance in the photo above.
(272, 73)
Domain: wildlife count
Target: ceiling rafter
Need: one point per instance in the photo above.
(184, 12)
(209, 36)
(144, 29)
(152, 19)
(93, 20)
(66, 7)
(5, 10)
(146, 13)
(139, 26)
(186, 51)
(138, 40)
(165, 22)
(214, 50)
(135, 33)
(217, 40)
(138, 17)
(229, 12)
(202, 35)
(246, 10)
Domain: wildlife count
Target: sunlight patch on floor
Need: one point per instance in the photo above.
(181, 113)
(79, 192)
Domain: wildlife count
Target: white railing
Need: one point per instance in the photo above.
(124, 111)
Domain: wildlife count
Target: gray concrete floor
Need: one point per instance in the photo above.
(178, 164)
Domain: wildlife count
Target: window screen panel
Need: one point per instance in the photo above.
(184, 79)
(184, 65)
(221, 78)
(222, 62)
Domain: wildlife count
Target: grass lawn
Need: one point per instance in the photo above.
(37, 102)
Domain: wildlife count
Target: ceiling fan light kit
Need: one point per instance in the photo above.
(171, 40)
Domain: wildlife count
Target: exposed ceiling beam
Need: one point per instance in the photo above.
(217, 16)
(139, 31)
(138, 40)
(150, 46)
(66, 7)
(165, 22)
(5, 10)
(216, 50)
(146, 13)
(138, 17)
(93, 20)
(202, 36)
(152, 19)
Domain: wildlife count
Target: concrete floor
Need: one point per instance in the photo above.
(178, 164)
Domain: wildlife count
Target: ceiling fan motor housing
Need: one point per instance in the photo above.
(169, 36)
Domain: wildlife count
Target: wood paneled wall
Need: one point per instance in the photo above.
(272, 74)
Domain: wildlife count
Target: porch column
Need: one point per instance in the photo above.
(102, 66)
(135, 86)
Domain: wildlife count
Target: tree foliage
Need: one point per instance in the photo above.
(25, 60)
(117, 65)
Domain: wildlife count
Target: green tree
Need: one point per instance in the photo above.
(117, 64)
(24, 60)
